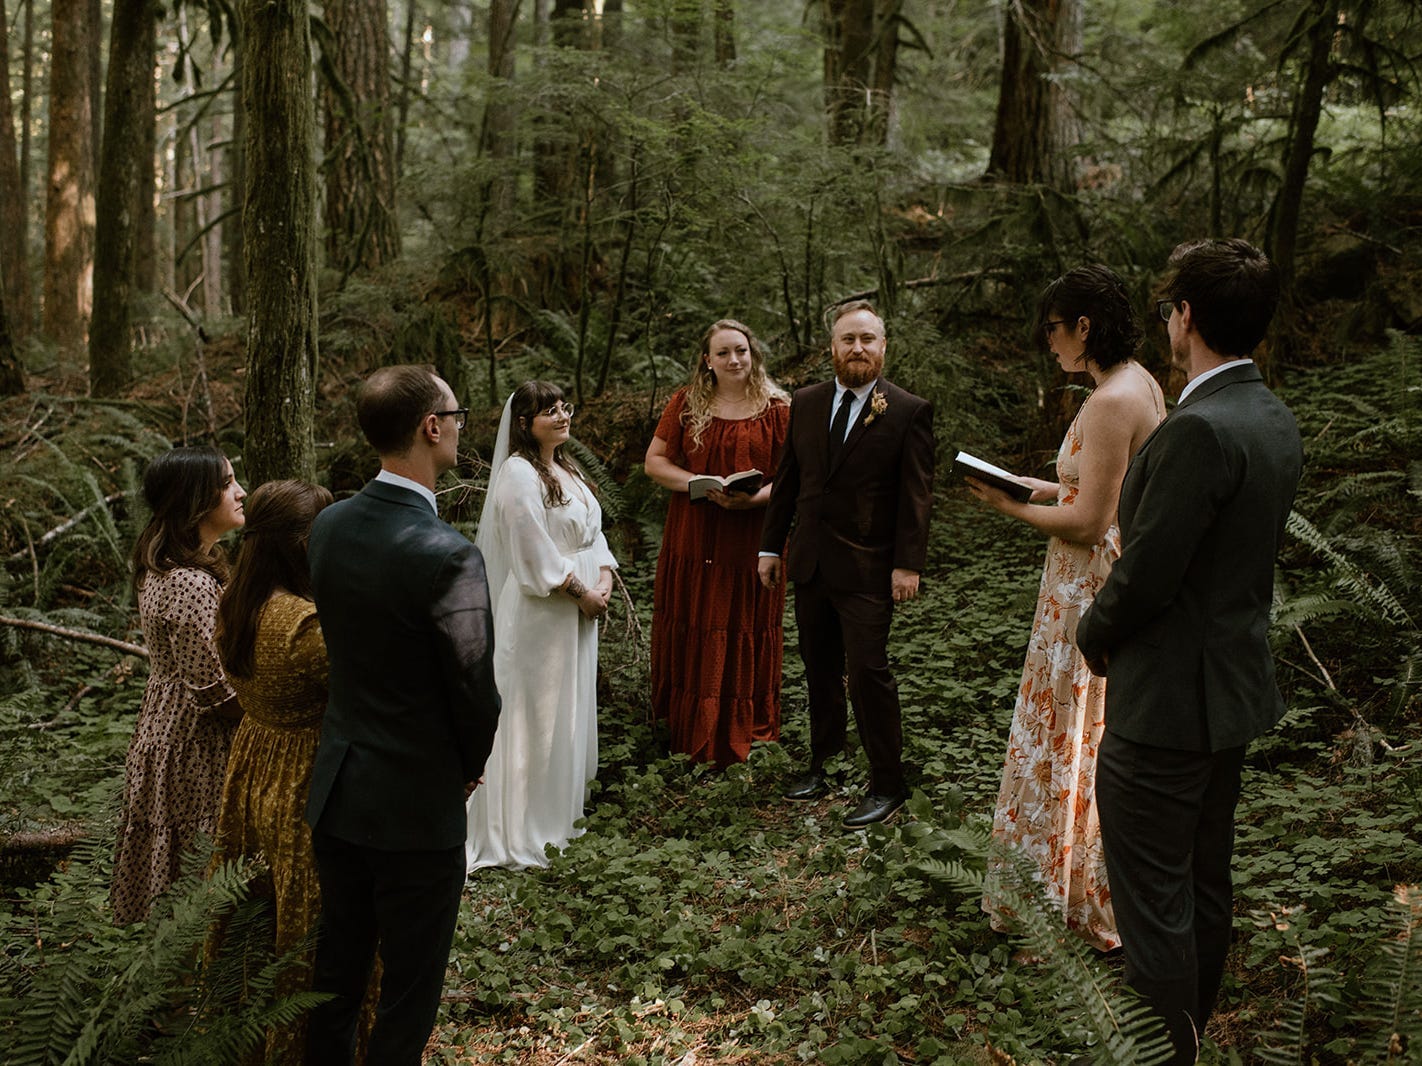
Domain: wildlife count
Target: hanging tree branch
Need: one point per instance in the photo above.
(75, 634)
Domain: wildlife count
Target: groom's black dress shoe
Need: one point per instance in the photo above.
(874, 808)
(807, 786)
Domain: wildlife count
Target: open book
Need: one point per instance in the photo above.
(971, 466)
(747, 481)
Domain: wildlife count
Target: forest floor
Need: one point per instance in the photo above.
(700, 917)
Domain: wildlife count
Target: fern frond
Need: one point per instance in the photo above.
(609, 492)
(1287, 1044)
(1347, 575)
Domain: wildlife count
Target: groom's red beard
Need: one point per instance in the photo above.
(856, 370)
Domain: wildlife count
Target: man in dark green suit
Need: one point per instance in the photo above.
(410, 720)
(1180, 630)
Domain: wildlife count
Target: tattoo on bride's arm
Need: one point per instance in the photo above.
(575, 588)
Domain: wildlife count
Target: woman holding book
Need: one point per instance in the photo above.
(1046, 807)
(550, 577)
(715, 630)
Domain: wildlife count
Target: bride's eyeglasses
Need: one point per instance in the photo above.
(564, 410)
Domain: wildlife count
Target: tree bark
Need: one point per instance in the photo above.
(555, 149)
(116, 201)
(236, 272)
(860, 57)
(361, 226)
(14, 252)
(280, 240)
(145, 226)
(724, 21)
(402, 117)
(499, 138)
(1036, 125)
(69, 199)
(1303, 125)
(12, 377)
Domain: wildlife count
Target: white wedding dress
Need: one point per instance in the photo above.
(545, 664)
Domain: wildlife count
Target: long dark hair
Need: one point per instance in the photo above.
(180, 487)
(272, 556)
(528, 400)
(1097, 293)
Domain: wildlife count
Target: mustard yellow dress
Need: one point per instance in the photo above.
(268, 775)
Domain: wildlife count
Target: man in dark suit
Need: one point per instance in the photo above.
(404, 607)
(856, 483)
(1180, 629)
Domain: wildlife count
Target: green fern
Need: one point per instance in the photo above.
(1118, 1026)
(609, 492)
(1367, 591)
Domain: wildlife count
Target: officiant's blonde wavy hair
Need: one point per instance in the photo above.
(701, 389)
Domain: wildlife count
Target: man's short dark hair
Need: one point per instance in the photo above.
(392, 402)
(1232, 289)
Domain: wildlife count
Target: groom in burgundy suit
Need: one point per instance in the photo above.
(855, 482)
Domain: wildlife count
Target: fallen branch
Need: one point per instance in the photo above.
(65, 526)
(76, 634)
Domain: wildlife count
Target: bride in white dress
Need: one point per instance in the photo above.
(550, 576)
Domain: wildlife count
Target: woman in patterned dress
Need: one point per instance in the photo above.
(716, 631)
(1046, 807)
(270, 642)
(178, 755)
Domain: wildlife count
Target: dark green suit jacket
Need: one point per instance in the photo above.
(1184, 615)
(404, 608)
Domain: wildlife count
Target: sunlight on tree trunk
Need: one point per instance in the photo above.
(69, 202)
(279, 240)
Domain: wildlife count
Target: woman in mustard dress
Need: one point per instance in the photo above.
(271, 646)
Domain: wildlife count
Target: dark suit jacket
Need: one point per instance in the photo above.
(1184, 615)
(404, 608)
(867, 515)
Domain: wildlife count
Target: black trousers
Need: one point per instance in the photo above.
(1167, 827)
(848, 632)
(407, 903)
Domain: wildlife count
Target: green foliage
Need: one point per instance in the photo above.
(77, 991)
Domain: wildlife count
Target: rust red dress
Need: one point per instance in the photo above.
(716, 632)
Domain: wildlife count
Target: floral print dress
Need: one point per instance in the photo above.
(1046, 807)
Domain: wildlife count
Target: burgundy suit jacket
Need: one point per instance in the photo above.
(855, 521)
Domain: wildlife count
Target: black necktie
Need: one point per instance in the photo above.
(840, 426)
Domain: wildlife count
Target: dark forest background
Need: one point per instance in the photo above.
(216, 216)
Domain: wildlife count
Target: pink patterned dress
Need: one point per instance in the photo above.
(1046, 807)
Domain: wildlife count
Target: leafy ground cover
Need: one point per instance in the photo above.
(702, 918)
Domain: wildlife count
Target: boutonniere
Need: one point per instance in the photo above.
(878, 404)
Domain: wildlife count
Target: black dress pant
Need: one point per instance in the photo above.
(1167, 827)
(407, 903)
(848, 632)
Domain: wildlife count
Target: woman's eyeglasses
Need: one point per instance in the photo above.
(563, 409)
(1164, 308)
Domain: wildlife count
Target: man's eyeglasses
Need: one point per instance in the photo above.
(1051, 324)
(564, 409)
(1164, 308)
(459, 414)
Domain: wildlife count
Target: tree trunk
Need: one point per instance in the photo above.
(12, 378)
(860, 54)
(402, 118)
(1303, 125)
(1036, 126)
(96, 77)
(236, 271)
(187, 253)
(280, 240)
(145, 216)
(14, 252)
(361, 226)
(724, 20)
(499, 137)
(555, 150)
(116, 201)
(69, 199)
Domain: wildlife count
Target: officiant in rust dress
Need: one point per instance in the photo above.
(716, 633)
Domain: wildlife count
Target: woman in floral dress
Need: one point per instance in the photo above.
(177, 758)
(1046, 808)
